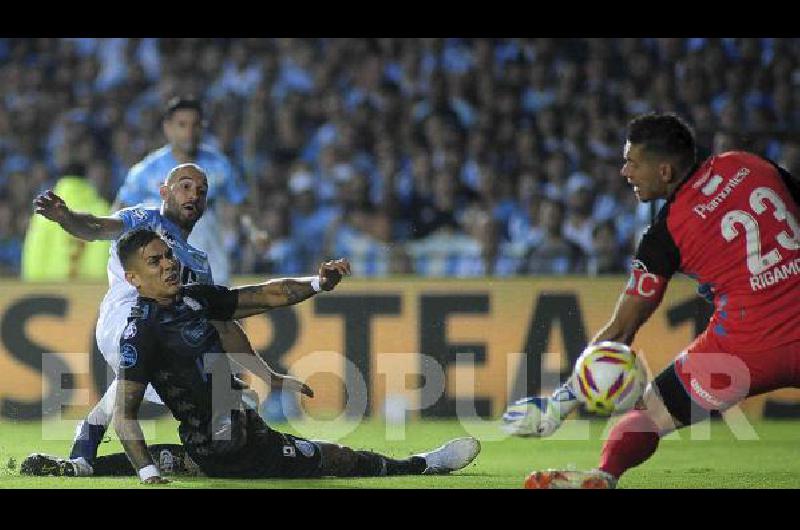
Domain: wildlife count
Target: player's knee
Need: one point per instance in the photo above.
(657, 412)
(669, 403)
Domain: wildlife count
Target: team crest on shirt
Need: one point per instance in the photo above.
(130, 330)
(194, 332)
(128, 356)
(139, 214)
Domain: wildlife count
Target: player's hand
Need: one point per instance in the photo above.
(287, 382)
(156, 480)
(331, 272)
(531, 416)
(50, 206)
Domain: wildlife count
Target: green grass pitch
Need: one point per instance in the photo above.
(711, 457)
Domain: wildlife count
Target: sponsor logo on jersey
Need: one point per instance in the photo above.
(709, 189)
(703, 393)
(708, 207)
(288, 450)
(138, 311)
(194, 332)
(128, 356)
(130, 330)
(192, 303)
(699, 182)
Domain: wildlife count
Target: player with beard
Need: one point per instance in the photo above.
(183, 196)
(169, 342)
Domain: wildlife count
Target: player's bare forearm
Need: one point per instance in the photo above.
(239, 349)
(261, 369)
(81, 225)
(126, 423)
(255, 299)
(90, 227)
(630, 314)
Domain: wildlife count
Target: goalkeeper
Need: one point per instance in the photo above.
(732, 223)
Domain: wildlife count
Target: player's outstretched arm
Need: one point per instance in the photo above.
(126, 423)
(631, 313)
(264, 371)
(540, 416)
(81, 225)
(238, 348)
(255, 299)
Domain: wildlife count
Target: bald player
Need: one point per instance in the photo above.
(183, 196)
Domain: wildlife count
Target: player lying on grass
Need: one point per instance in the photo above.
(171, 459)
(184, 203)
(732, 223)
(170, 343)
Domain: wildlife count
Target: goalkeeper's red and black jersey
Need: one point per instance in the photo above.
(733, 224)
(179, 352)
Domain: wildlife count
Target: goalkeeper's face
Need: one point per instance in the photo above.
(184, 195)
(648, 174)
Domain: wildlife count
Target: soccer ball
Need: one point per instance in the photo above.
(609, 378)
(531, 416)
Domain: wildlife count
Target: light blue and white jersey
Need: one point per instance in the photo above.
(194, 263)
(145, 178)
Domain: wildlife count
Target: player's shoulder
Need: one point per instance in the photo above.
(208, 153)
(152, 159)
(201, 292)
(141, 320)
(142, 310)
(140, 212)
(732, 163)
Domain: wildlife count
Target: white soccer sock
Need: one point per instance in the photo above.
(82, 467)
(102, 412)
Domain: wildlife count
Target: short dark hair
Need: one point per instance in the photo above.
(182, 102)
(666, 135)
(129, 243)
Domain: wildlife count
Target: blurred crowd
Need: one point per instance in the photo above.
(435, 157)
